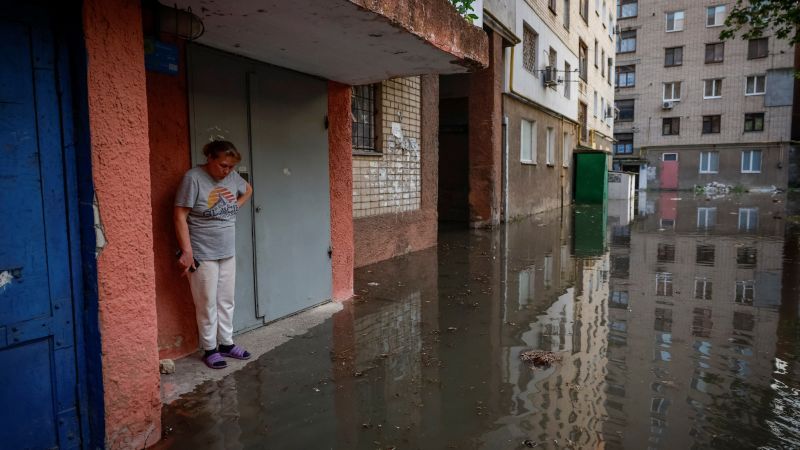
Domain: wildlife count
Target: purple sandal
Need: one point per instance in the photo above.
(213, 361)
(236, 352)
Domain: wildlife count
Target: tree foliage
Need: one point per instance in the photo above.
(752, 18)
(464, 7)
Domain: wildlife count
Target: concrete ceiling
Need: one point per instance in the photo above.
(333, 39)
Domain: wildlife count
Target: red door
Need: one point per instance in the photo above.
(669, 171)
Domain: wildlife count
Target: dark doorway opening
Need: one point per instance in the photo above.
(453, 203)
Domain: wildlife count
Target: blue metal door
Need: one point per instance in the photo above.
(38, 379)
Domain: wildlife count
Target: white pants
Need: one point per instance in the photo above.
(213, 285)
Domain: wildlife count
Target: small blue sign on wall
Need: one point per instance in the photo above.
(160, 57)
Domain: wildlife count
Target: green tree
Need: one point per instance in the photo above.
(464, 7)
(751, 18)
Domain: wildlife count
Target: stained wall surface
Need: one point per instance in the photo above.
(387, 235)
(389, 180)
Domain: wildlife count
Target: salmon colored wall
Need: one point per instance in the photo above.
(170, 158)
(121, 176)
(341, 184)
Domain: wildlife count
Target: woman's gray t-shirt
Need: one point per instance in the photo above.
(212, 219)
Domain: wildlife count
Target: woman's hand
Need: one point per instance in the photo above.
(186, 260)
(186, 263)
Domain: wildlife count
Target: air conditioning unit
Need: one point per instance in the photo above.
(667, 105)
(550, 76)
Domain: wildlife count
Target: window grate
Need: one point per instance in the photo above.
(364, 112)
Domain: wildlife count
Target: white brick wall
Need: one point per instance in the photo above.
(390, 182)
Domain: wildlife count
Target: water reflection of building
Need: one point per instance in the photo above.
(557, 303)
(692, 319)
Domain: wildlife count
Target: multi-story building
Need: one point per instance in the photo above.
(557, 98)
(693, 109)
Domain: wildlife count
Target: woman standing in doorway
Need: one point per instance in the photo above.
(206, 204)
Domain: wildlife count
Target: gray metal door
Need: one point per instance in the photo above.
(292, 197)
(218, 105)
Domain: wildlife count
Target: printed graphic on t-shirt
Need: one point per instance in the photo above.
(221, 204)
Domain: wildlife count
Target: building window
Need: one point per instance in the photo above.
(626, 76)
(529, 47)
(596, 105)
(673, 56)
(626, 42)
(552, 62)
(626, 110)
(528, 142)
(712, 88)
(711, 124)
(669, 156)
(704, 255)
(610, 26)
(755, 85)
(602, 63)
(663, 316)
(672, 91)
(362, 107)
(596, 53)
(709, 162)
(583, 121)
(746, 257)
(627, 9)
(664, 286)
(702, 288)
(715, 16)
(745, 292)
(665, 253)
(748, 219)
(585, 10)
(671, 126)
(624, 144)
(610, 66)
(675, 21)
(706, 217)
(566, 14)
(751, 161)
(552, 5)
(550, 154)
(566, 145)
(757, 48)
(743, 321)
(583, 60)
(715, 53)
(567, 80)
(753, 122)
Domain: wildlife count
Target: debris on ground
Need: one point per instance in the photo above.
(166, 366)
(540, 358)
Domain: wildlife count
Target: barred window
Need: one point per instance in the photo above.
(529, 45)
(364, 114)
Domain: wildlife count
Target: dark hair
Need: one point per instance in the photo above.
(215, 149)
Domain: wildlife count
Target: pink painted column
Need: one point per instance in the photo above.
(340, 159)
(121, 175)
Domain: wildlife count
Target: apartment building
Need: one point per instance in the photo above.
(558, 98)
(693, 109)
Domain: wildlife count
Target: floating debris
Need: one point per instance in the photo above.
(540, 358)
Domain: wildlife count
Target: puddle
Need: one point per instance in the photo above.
(675, 330)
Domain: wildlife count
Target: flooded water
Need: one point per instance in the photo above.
(676, 323)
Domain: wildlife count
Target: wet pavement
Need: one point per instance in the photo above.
(676, 321)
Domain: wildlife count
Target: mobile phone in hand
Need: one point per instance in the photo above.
(196, 262)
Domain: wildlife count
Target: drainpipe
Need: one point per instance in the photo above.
(505, 168)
